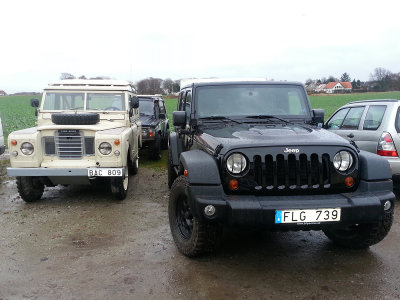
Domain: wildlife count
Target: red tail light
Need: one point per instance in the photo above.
(386, 146)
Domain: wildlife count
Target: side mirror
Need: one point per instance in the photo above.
(318, 116)
(134, 102)
(179, 118)
(34, 102)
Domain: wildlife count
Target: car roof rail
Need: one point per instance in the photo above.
(372, 100)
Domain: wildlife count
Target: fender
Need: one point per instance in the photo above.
(373, 167)
(202, 168)
(175, 147)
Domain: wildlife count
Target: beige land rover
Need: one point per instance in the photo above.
(86, 131)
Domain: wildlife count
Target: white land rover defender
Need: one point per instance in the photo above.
(87, 130)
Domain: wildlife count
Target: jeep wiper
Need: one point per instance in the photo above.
(268, 117)
(223, 118)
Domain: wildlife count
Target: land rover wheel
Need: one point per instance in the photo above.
(30, 188)
(361, 236)
(171, 170)
(119, 186)
(192, 236)
(165, 141)
(155, 148)
(133, 165)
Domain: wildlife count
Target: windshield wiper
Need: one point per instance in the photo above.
(268, 117)
(222, 118)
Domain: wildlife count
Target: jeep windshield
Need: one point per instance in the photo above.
(146, 106)
(252, 101)
(84, 101)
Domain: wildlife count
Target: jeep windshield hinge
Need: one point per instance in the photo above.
(218, 149)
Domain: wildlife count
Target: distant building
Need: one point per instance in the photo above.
(3, 93)
(337, 87)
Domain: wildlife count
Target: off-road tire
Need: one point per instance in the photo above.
(202, 238)
(119, 186)
(30, 188)
(133, 165)
(171, 170)
(155, 148)
(165, 141)
(75, 119)
(363, 235)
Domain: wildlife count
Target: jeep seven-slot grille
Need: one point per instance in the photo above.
(68, 144)
(296, 171)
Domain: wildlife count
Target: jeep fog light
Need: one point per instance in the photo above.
(27, 148)
(105, 148)
(343, 160)
(236, 163)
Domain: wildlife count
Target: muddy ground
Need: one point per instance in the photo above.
(78, 243)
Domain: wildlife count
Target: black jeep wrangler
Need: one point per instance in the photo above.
(155, 124)
(252, 153)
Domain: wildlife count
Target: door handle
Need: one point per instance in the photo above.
(350, 135)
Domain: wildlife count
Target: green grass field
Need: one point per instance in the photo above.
(16, 112)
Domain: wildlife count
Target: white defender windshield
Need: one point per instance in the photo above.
(251, 100)
(76, 101)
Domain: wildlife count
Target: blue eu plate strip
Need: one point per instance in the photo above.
(278, 216)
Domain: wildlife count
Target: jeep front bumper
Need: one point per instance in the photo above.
(366, 205)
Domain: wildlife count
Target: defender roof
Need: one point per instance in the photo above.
(92, 84)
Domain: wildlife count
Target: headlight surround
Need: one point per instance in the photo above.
(236, 163)
(105, 148)
(343, 160)
(27, 148)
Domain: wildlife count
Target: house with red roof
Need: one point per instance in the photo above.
(3, 93)
(338, 87)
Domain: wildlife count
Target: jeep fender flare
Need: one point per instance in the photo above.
(373, 167)
(175, 147)
(201, 167)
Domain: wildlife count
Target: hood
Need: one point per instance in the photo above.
(243, 136)
(103, 125)
(148, 120)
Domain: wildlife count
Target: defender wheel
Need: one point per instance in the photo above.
(165, 141)
(363, 235)
(133, 165)
(119, 186)
(30, 188)
(171, 170)
(192, 236)
(155, 149)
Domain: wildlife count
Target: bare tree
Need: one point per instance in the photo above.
(168, 85)
(149, 86)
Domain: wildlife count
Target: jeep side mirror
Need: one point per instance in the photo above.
(318, 116)
(34, 102)
(179, 118)
(134, 102)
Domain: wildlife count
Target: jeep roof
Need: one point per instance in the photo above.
(238, 82)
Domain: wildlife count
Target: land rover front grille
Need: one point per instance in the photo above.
(68, 144)
(291, 171)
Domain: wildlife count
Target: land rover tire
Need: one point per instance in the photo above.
(165, 140)
(75, 119)
(120, 185)
(133, 165)
(171, 170)
(363, 235)
(155, 148)
(30, 188)
(192, 236)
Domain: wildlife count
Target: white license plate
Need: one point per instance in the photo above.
(307, 215)
(105, 172)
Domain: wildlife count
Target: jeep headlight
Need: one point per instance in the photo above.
(145, 132)
(105, 148)
(343, 160)
(27, 148)
(236, 163)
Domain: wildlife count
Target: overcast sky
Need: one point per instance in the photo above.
(132, 40)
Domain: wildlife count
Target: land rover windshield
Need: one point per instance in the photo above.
(84, 101)
(251, 100)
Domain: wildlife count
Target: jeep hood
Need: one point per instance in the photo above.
(242, 136)
(148, 121)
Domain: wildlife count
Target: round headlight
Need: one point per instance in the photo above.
(343, 160)
(27, 148)
(236, 163)
(105, 148)
(144, 132)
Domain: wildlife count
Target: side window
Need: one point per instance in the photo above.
(337, 119)
(162, 107)
(181, 100)
(374, 117)
(188, 105)
(353, 118)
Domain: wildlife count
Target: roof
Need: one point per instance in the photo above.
(331, 85)
(375, 100)
(346, 84)
(71, 84)
(241, 82)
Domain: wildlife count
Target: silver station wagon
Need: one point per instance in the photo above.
(374, 125)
